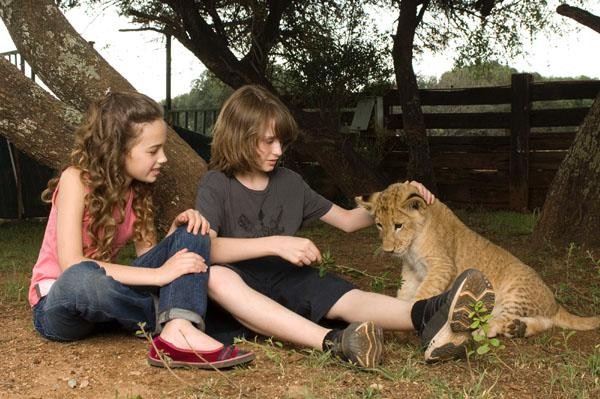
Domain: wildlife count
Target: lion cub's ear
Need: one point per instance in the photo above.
(414, 202)
(367, 201)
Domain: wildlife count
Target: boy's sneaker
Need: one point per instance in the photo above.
(361, 343)
(447, 333)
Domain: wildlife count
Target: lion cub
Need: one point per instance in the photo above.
(435, 247)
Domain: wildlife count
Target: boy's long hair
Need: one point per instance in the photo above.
(102, 142)
(244, 118)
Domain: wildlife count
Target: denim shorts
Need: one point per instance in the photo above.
(299, 289)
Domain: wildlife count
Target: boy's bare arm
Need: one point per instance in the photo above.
(297, 250)
(347, 220)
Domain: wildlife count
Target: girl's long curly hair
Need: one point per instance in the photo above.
(102, 142)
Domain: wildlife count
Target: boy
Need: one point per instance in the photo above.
(255, 207)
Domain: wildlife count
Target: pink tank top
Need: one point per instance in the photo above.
(47, 268)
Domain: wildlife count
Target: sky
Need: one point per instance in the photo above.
(140, 56)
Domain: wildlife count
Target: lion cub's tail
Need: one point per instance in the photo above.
(570, 321)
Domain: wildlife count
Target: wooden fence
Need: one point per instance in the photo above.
(524, 133)
(513, 170)
(196, 120)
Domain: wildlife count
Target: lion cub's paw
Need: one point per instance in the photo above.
(516, 328)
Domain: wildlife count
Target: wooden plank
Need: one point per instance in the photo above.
(551, 141)
(497, 179)
(494, 120)
(480, 161)
(546, 160)
(563, 90)
(462, 96)
(458, 120)
(541, 91)
(455, 143)
(473, 195)
(558, 117)
(541, 178)
(519, 141)
(362, 114)
(465, 144)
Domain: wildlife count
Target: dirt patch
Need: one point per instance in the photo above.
(555, 364)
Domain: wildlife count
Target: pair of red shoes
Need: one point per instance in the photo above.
(227, 356)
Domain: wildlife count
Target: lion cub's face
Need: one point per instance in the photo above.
(398, 215)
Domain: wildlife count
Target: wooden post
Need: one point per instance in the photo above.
(379, 118)
(204, 125)
(168, 77)
(16, 167)
(519, 141)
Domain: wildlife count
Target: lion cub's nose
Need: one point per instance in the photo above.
(387, 248)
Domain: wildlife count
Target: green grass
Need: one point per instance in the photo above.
(19, 247)
(503, 223)
(20, 244)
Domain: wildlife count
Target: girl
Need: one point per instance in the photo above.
(255, 207)
(101, 201)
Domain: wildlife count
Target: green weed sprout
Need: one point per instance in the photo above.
(480, 317)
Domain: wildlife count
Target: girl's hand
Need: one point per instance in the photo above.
(426, 194)
(195, 222)
(183, 262)
(297, 250)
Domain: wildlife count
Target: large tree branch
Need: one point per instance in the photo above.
(167, 26)
(422, 10)
(55, 52)
(211, 8)
(211, 48)
(264, 40)
(43, 129)
(583, 17)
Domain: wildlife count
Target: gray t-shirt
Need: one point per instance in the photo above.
(234, 210)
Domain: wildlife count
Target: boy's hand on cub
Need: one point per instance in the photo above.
(426, 194)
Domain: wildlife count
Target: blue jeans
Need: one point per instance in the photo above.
(84, 297)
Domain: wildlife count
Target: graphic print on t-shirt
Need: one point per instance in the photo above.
(259, 228)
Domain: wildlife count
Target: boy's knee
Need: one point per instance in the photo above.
(221, 278)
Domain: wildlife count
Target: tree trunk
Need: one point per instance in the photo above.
(77, 74)
(571, 212)
(44, 128)
(419, 160)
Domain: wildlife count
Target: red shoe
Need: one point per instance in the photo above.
(227, 356)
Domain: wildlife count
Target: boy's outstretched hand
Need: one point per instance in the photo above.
(297, 250)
